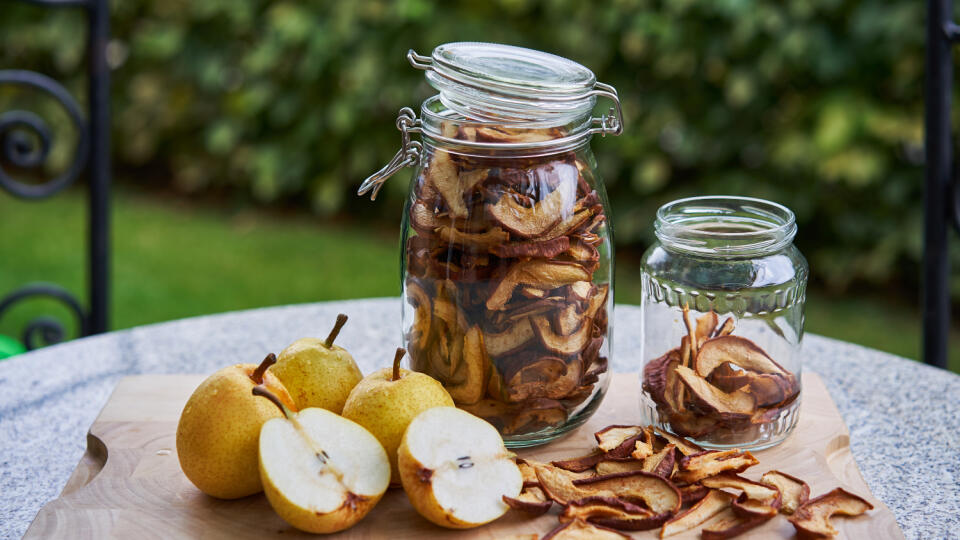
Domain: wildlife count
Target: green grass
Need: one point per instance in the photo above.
(174, 260)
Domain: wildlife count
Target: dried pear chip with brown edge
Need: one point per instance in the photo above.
(512, 339)
(562, 345)
(558, 484)
(706, 324)
(812, 518)
(746, 507)
(579, 464)
(477, 366)
(708, 463)
(757, 491)
(710, 505)
(684, 446)
(727, 524)
(658, 493)
(542, 274)
(442, 174)
(530, 222)
(725, 328)
(793, 491)
(737, 402)
(614, 513)
(581, 530)
(663, 462)
(531, 500)
(736, 350)
(612, 437)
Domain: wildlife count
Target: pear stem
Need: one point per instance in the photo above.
(257, 374)
(262, 391)
(341, 320)
(396, 363)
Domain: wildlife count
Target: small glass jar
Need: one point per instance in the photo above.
(507, 249)
(722, 321)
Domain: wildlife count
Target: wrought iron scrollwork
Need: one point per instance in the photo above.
(45, 330)
(25, 138)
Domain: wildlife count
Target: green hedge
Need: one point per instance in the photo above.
(813, 103)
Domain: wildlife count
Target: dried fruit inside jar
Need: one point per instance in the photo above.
(507, 270)
(716, 386)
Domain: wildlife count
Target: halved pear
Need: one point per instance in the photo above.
(455, 468)
(321, 472)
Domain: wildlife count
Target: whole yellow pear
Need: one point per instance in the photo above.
(219, 429)
(318, 373)
(386, 401)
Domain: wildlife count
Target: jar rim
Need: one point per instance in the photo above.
(725, 226)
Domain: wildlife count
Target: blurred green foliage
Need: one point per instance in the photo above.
(813, 103)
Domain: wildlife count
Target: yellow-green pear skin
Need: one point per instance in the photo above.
(385, 407)
(317, 376)
(219, 430)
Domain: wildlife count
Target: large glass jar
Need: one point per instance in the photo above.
(507, 259)
(722, 322)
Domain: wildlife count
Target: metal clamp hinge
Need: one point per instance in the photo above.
(409, 154)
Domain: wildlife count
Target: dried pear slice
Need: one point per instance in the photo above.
(597, 301)
(530, 222)
(545, 275)
(727, 524)
(581, 290)
(812, 518)
(738, 402)
(512, 339)
(713, 503)
(692, 493)
(579, 464)
(581, 530)
(725, 328)
(546, 249)
(559, 344)
(753, 490)
(738, 351)
(614, 513)
(691, 330)
(423, 309)
(655, 375)
(614, 437)
(558, 484)
(531, 500)
(656, 492)
(746, 507)
(536, 414)
(711, 463)
(442, 173)
(578, 218)
(568, 320)
(706, 324)
(472, 389)
(663, 462)
(484, 240)
(505, 135)
(613, 467)
(469, 180)
(424, 220)
(684, 446)
(793, 491)
(494, 411)
(546, 377)
(582, 252)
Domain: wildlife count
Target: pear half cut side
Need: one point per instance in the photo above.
(455, 468)
(321, 472)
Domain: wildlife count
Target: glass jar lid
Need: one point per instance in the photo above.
(490, 81)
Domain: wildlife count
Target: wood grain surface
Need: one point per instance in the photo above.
(129, 483)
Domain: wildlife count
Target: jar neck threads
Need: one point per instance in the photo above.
(725, 226)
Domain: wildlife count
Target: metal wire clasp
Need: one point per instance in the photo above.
(408, 154)
(612, 122)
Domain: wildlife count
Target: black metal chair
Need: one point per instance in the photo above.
(941, 201)
(25, 143)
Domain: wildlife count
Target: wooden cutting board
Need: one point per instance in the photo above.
(129, 483)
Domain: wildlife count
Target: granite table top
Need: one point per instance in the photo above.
(904, 417)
